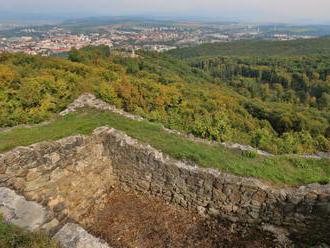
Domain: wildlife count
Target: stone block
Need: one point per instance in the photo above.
(74, 236)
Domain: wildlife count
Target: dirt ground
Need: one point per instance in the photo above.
(137, 221)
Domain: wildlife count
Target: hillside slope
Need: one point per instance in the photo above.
(173, 92)
(308, 47)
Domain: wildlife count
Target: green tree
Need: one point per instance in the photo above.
(324, 101)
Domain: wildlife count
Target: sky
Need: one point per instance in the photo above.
(251, 10)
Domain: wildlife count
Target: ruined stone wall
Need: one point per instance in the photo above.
(73, 175)
(304, 210)
(70, 176)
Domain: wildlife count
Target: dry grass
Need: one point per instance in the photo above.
(132, 220)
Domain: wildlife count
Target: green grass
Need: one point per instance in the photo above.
(14, 237)
(279, 170)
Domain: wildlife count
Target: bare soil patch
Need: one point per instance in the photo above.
(139, 221)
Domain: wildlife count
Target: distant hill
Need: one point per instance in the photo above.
(319, 46)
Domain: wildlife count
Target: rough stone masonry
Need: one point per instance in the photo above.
(73, 176)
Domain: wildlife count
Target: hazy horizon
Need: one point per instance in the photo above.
(304, 11)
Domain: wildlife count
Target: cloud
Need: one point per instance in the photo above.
(257, 9)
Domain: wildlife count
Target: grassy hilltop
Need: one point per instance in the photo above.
(279, 170)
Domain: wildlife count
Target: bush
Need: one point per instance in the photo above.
(106, 92)
(265, 140)
(323, 143)
(249, 154)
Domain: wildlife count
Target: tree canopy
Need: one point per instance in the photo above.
(277, 104)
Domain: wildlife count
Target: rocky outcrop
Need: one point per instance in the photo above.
(73, 236)
(72, 177)
(25, 214)
(90, 101)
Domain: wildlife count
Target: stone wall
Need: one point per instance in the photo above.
(70, 176)
(301, 211)
(73, 175)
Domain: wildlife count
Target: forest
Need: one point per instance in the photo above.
(300, 47)
(278, 104)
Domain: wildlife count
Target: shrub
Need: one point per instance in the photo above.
(249, 154)
(106, 92)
